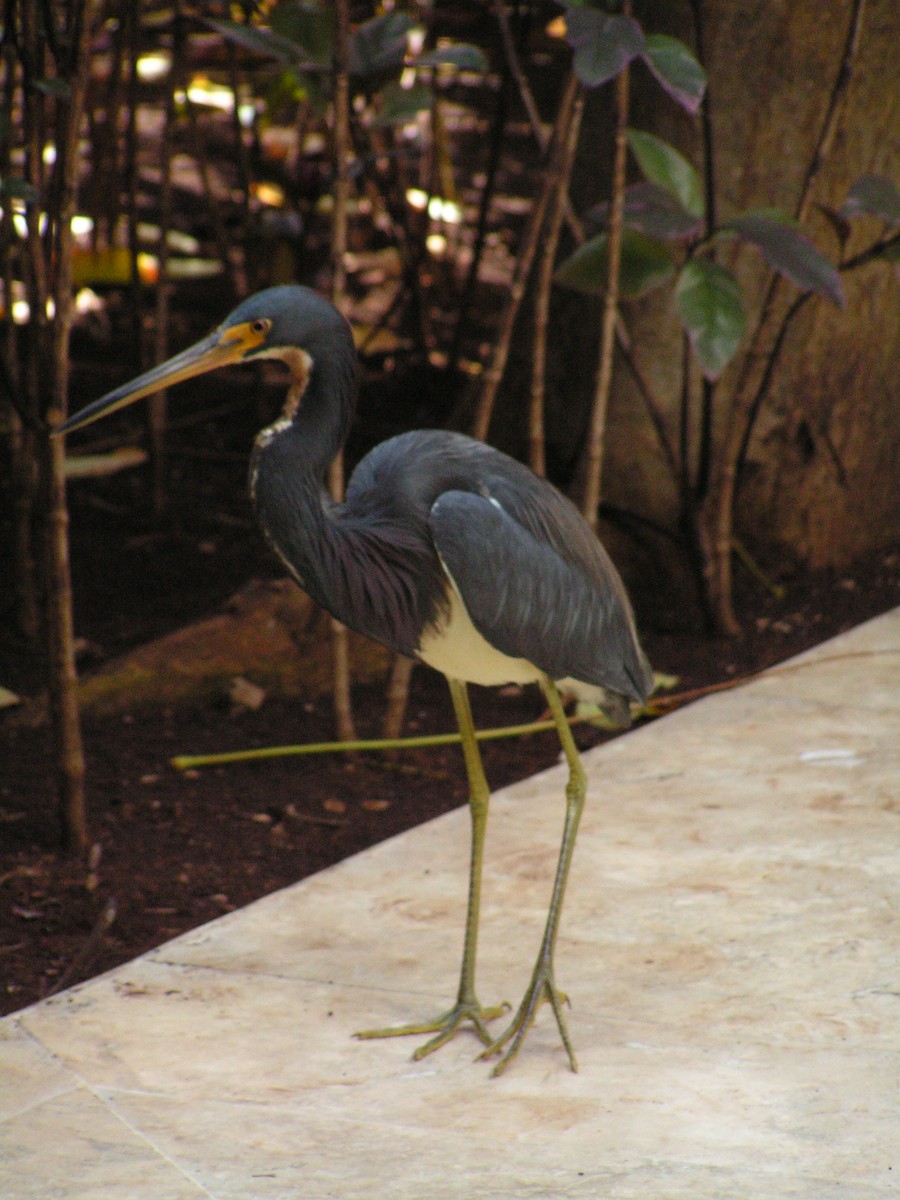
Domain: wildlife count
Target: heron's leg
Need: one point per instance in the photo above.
(543, 985)
(466, 1007)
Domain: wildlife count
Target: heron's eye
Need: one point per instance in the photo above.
(263, 325)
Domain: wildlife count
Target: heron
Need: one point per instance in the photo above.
(445, 550)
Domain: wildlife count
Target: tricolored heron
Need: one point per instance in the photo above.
(444, 550)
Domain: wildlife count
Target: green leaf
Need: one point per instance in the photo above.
(665, 166)
(651, 210)
(307, 25)
(875, 196)
(462, 56)
(709, 304)
(676, 69)
(19, 189)
(790, 253)
(603, 44)
(260, 41)
(380, 44)
(645, 265)
(400, 104)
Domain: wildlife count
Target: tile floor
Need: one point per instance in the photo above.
(731, 947)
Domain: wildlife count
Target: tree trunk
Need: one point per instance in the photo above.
(60, 632)
(343, 703)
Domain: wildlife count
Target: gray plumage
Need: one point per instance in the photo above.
(536, 582)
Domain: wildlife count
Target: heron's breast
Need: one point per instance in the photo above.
(454, 646)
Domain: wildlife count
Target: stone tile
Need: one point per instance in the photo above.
(29, 1074)
(682, 1122)
(194, 1032)
(856, 671)
(729, 945)
(72, 1147)
(407, 895)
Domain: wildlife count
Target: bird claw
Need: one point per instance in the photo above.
(542, 988)
(445, 1027)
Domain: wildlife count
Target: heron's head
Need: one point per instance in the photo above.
(280, 322)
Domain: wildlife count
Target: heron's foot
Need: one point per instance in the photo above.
(446, 1026)
(542, 988)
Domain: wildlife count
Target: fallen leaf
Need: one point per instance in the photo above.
(245, 694)
(376, 805)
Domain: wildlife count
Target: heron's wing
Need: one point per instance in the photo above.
(566, 612)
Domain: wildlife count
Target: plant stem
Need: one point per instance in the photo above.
(536, 439)
(524, 260)
(484, 206)
(158, 409)
(60, 632)
(343, 705)
(596, 435)
(188, 762)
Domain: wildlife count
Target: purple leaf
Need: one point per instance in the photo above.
(676, 69)
(874, 196)
(652, 210)
(791, 254)
(603, 44)
(260, 41)
(379, 44)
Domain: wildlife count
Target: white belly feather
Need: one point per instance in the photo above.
(456, 648)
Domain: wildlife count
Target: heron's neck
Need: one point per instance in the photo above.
(317, 410)
(289, 460)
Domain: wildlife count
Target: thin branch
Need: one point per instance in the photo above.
(159, 404)
(541, 135)
(514, 62)
(707, 386)
(524, 260)
(220, 233)
(536, 439)
(481, 226)
(835, 110)
(878, 250)
(597, 430)
(652, 404)
(22, 419)
(343, 707)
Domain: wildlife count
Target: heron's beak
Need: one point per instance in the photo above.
(222, 347)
